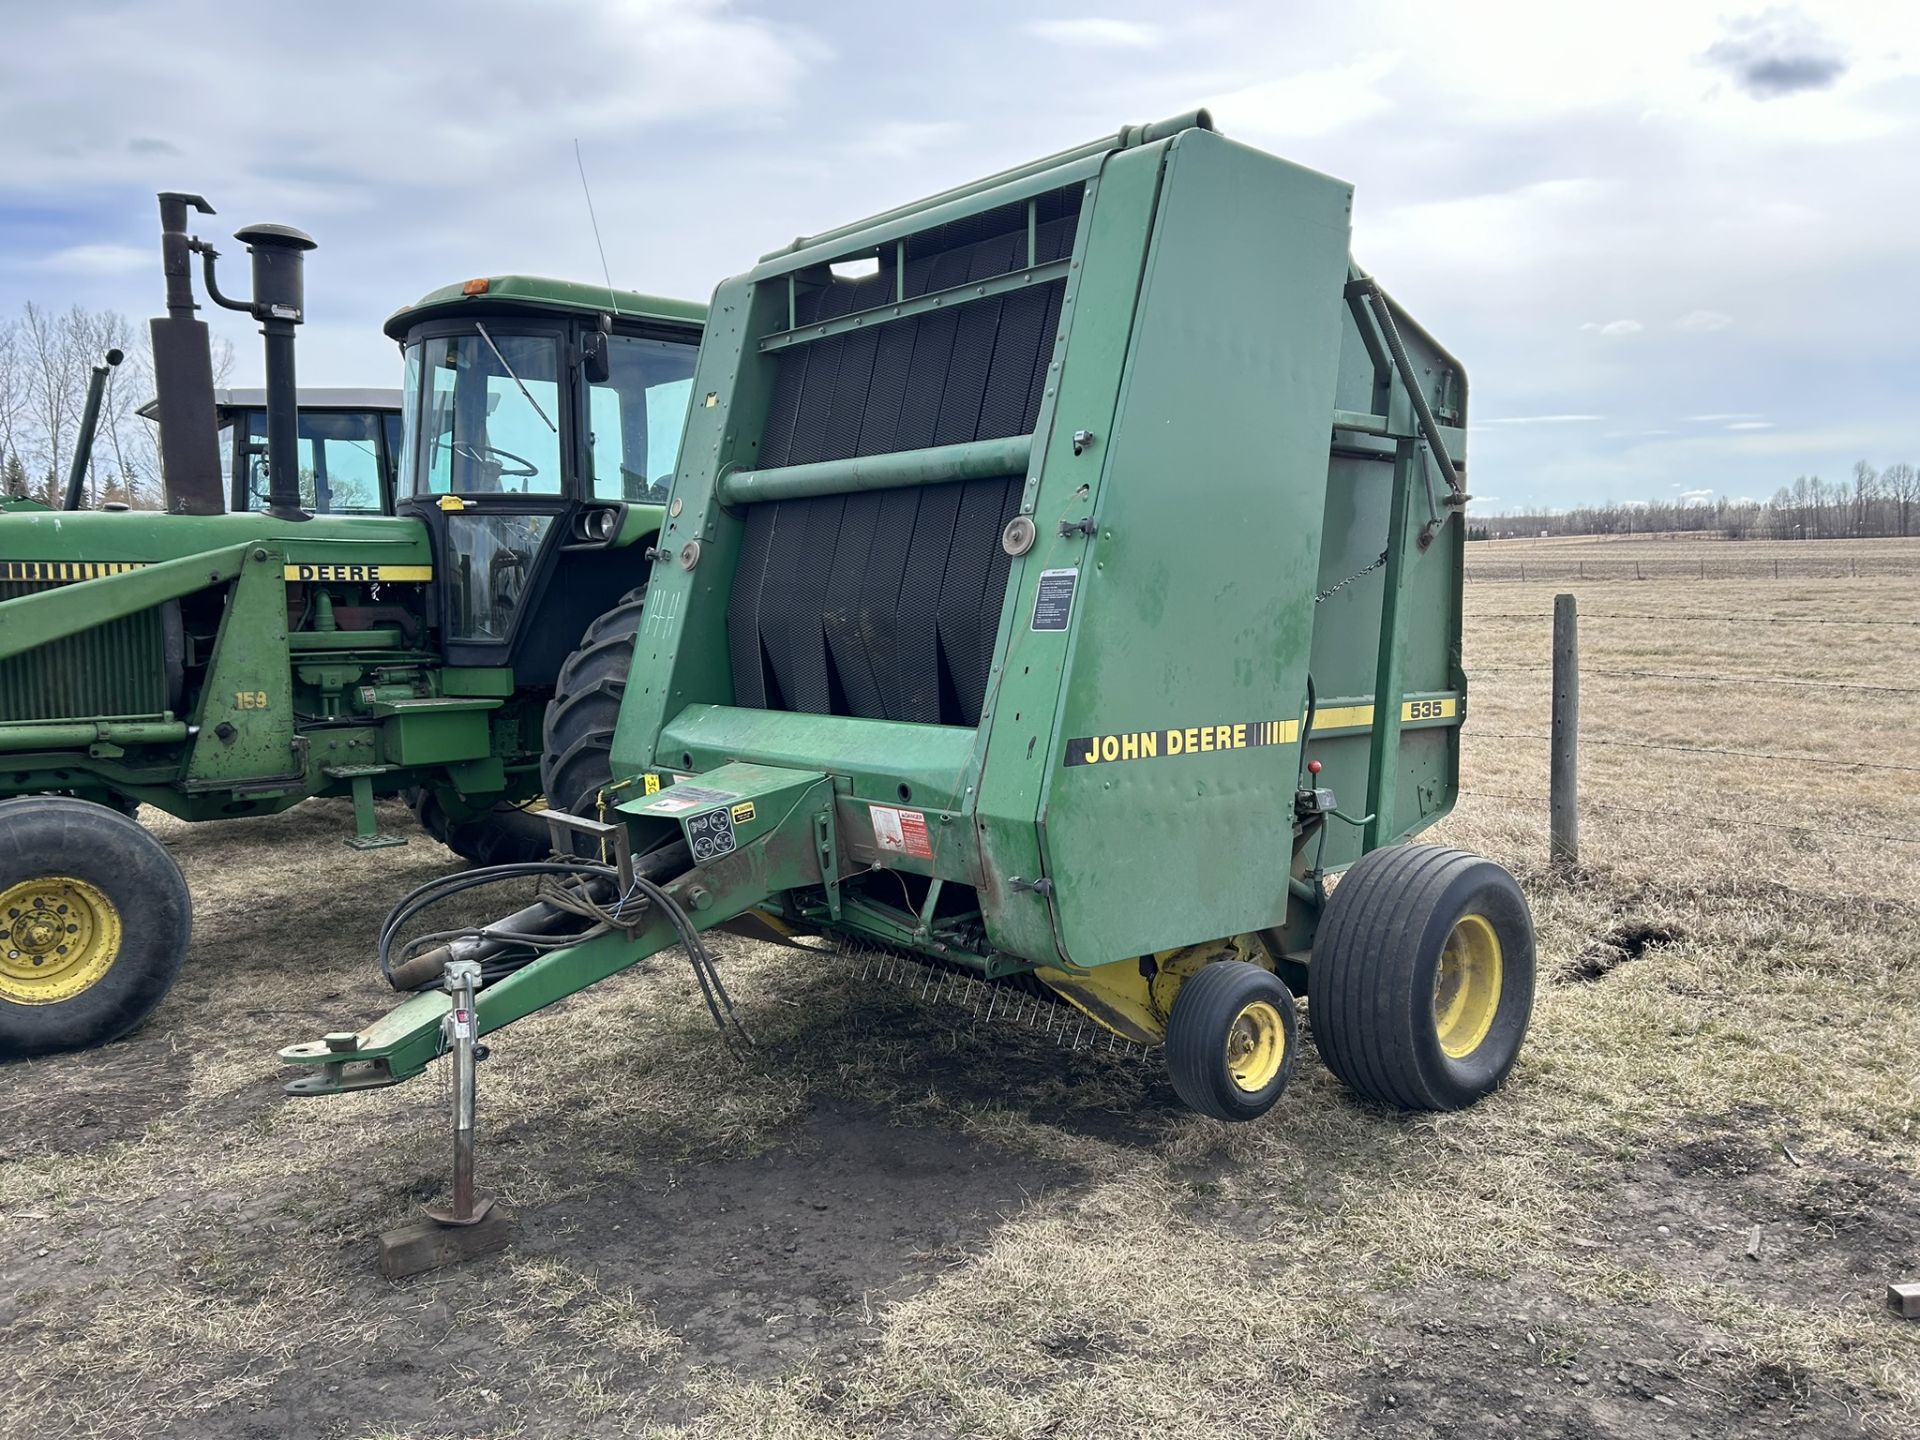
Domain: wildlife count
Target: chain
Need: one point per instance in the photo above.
(1379, 560)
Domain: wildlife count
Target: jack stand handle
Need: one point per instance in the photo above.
(461, 978)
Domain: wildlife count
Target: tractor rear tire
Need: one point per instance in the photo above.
(1231, 1040)
(1421, 982)
(94, 923)
(576, 761)
(504, 835)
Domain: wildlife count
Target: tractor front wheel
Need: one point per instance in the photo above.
(503, 835)
(1231, 1040)
(577, 759)
(94, 922)
(1421, 982)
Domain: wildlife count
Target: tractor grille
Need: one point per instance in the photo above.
(115, 669)
(886, 604)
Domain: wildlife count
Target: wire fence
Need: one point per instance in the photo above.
(1714, 819)
(1864, 567)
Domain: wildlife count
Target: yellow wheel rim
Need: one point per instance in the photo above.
(58, 936)
(1466, 987)
(1256, 1047)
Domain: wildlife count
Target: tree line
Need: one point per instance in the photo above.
(1873, 504)
(46, 360)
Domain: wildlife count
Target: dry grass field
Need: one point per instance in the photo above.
(889, 1222)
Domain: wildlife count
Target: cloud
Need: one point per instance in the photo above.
(99, 260)
(1615, 327)
(1703, 322)
(1775, 53)
(1308, 103)
(1751, 425)
(1723, 417)
(1096, 32)
(1539, 420)
(1689, 497)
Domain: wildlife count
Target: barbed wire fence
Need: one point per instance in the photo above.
(1563, 801)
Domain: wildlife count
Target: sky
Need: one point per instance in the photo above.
(1676, 244)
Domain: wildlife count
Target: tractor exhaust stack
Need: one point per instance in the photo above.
(183, 373)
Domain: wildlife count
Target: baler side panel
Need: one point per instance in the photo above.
(1361, 475)
(1193, 622)
(1089, 347)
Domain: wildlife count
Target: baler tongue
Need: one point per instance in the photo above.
(752, 831)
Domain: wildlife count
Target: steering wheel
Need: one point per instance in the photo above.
(527, 468)
(471, 451)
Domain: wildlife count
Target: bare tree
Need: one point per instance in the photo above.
(1902, 482)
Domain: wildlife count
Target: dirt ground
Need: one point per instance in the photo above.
(1678, 1219)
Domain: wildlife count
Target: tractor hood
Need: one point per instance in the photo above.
(141, 537)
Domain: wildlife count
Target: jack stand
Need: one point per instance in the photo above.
(466, 1228)
(367, 834)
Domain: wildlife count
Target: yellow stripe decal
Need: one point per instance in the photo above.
(1181, 740)
(1360, 717)
(61, 570)
(349, 573)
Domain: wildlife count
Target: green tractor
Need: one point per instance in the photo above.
(243, 653)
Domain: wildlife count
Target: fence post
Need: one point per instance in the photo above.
(1564, 763)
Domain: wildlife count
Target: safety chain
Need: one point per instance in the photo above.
(1379, 560)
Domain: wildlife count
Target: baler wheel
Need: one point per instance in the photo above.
(94, 922)
(1231, 1040)
(1421, 982)
(576, 760)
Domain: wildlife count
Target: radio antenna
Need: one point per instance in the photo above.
(587, 190)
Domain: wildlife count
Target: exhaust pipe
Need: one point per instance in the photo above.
(183, 373)
(89, 422)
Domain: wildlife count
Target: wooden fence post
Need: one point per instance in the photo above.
(1563, 805)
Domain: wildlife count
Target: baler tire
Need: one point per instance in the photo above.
(576, 757)
(1422, 977)
(83, 870)
(505, 835)
(1231, 1040)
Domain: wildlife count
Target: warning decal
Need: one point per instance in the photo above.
(901, 832)
(676, 798)
(1193, 739)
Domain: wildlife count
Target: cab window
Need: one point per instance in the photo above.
(637, 415)
(489, 420)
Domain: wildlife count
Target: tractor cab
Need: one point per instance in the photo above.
(349, 449)
(542, 419)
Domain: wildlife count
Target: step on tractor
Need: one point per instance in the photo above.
(288, 629)
(1061, 587)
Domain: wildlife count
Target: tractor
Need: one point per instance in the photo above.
(277, 636)
(1061, 589)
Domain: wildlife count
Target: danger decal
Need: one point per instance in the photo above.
(901, 832)
(1189, 740)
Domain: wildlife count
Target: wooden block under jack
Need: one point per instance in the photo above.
(429, 1245)
(1904, 1300)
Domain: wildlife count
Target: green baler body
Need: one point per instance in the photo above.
(1216, 405)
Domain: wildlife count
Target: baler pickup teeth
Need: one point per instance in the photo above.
(997, 1003)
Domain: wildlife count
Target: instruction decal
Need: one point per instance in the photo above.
(677, 799)
(1053, 602)
(901, 832)
(1190, 740)
(710, 836)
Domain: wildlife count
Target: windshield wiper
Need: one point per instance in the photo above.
(513, 377)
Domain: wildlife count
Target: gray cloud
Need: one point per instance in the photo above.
(1775, 53)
